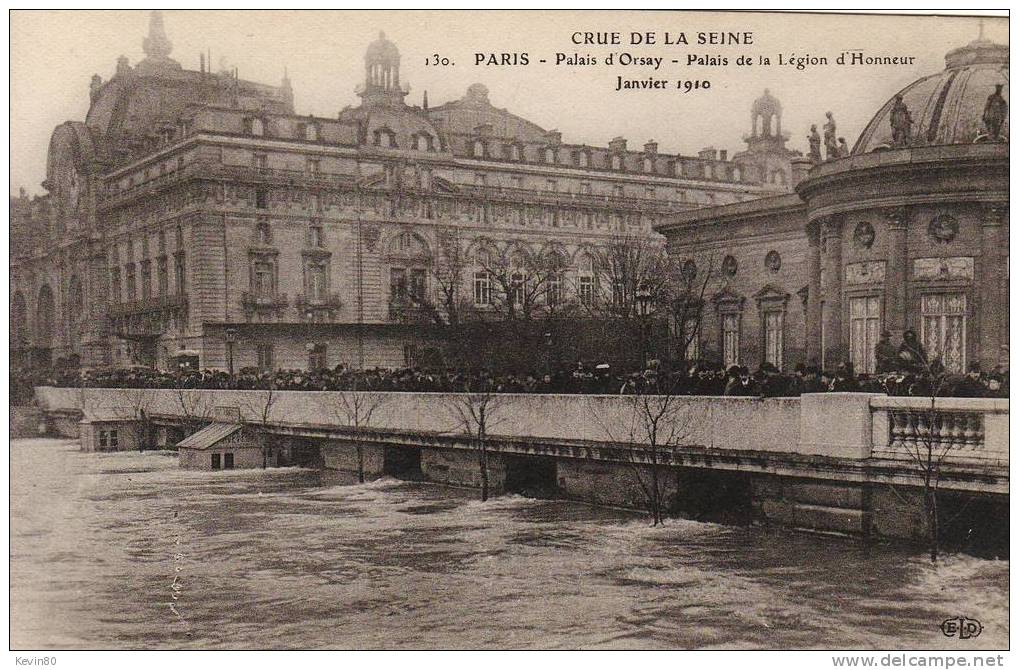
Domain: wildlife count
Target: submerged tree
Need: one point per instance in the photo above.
(475, 412)
(926, 436)
(356, 409)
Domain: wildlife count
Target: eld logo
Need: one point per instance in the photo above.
(961, 627)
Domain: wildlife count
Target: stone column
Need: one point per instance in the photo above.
(991, 300)
(813, 343)
(831, 262)
(897, 272)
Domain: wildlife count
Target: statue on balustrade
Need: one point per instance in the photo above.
(815, 144)
(830, 145)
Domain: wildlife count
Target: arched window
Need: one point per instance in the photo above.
(617, 162)
(584, 158)
(649, 165)
(19, 321)
(254, 126)
(478, 149)
(550, 155)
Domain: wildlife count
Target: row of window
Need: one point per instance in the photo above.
(124, 283)
(261, 127)
(613, 161)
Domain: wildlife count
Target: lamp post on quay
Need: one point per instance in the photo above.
(644, 301)
(231, 337)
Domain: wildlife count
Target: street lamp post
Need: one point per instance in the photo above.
(231, 337)
(644, 299)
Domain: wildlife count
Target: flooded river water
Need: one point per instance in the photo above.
(101, 544)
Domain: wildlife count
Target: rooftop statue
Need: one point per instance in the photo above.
(995, 113)
(902, 123)
(830, 144)
(815, 144)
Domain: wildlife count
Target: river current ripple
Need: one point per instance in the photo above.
(294, 558)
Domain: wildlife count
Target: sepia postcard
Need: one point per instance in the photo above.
(509, 330)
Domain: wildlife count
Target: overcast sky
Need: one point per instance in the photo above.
(55, 53)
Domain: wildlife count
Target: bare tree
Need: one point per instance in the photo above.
(139, 402)
(656, 421)
(260, 405)
(476, 412)
(923, 435)
(195, 406)
(521, 282)
(356, 410)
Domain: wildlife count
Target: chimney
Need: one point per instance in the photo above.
(554, 137)
(708, 153)
(801, 165)
(651, 148)
(617, 145)
(723, 155)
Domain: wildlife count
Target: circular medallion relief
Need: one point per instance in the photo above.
(729, 266)
(943, 228)
(863, 235)
(772, 262)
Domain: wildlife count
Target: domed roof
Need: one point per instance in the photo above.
(947, 107)
(382, 49)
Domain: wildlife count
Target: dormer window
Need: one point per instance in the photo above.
(617, 162)
(649, 165)
(384, 137)
(584, 159)
(254, 126)
(308, 131)
(550, 156)
(424, 142)
(478, 149)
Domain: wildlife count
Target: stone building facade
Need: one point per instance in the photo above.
(195, 215)
(908, 232)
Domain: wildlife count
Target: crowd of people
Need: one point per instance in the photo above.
(910, 375)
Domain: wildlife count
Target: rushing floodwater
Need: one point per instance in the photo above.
(289, 559)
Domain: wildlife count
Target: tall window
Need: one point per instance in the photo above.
(132, 286)
(478, 149)
(550, 155)
(398, 284)
(864, 331)
(146, 278)
(730, 338)
(164, 276)
(553, 289)
(617, 162)
(417, 285)
(618, 292)
(517, 281)
(265, 285)
(314, 165)
(179, 272)
(318, 282)
(482, 289)
(115, 285)
(261, 161)
(261, 198)
(585, 281)
(773, 333)
(692, 339)
(316, 235)
(585, 159)
(943, 329)
(264, 357)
